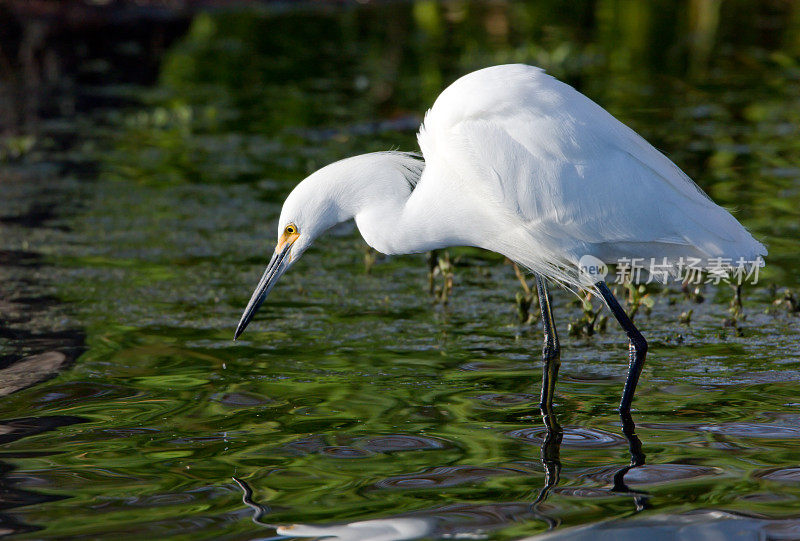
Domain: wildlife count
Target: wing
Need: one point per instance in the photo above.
(580, 181)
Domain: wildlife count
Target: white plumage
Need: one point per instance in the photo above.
(522, 164)
(568, 177)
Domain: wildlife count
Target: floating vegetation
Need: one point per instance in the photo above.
(592, 319)
(787, 301)
(524, 300)
(370, 256)
(15, 147)
(440, 267)
(638, 299)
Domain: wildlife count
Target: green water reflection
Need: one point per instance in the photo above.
(353, 396)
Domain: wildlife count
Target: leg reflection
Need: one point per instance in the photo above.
(247, 498)
(551, 444)
(551, 463)
(550, 453)
(637, 459)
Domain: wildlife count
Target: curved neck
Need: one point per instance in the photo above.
(386, 227)
(428, 218)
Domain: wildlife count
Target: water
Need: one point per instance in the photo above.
(136, 222)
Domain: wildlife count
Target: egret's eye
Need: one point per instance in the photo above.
(290, 229)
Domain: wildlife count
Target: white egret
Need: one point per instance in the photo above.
(518, 163)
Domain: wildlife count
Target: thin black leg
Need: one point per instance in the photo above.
(640, 498)
(551, 462)
(637, 347)
(551, 352)
(550, 454)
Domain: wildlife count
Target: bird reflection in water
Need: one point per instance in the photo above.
(414, 526)
(430, 523)
(550, 453)
(388, 529)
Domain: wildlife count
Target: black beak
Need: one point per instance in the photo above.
(275, 269)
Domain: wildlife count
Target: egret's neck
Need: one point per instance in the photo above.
(393, 215)
(385, 225)
(399, 221)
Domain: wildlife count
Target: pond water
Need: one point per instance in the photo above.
(135, 223)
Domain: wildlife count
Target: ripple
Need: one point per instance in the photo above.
(446, 476)
(241, 400)
(585, 492)
(766, 497)
(15, 429)
(783, 529)
(653, 474)
(781, 475)
(127, 432)
(343, 451)
(78, 392)
(457, 520)
(575, 437)
(486, 366)
(304, 446)
(366, 446)
(736, 430)
(753, 430)
(402, 442)
(665, 473)
(502, 400)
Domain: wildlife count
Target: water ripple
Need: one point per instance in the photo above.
(781, 475)
(653, 474)
(584, 492)
(445, 476)
(402, 442)
(504, 400)
(342, 451)
(752, 430)
(575, 437)
(734, 429)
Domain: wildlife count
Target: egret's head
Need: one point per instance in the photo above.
(310, 210)
(335, 193)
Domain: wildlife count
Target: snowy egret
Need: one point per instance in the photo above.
(516, 162)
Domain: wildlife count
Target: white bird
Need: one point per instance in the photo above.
(518, 163)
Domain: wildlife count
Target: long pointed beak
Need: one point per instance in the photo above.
(279, 263)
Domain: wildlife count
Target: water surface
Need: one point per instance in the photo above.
(133, 230)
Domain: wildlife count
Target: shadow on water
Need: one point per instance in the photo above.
(31, 353)
(34, 347)
(11, 496)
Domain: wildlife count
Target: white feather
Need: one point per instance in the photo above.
(521, 164)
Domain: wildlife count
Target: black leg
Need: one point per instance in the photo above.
(551, 361)
(551, 462)
(640, 498)
(550, 454)
(637, 347)
(551, 352)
